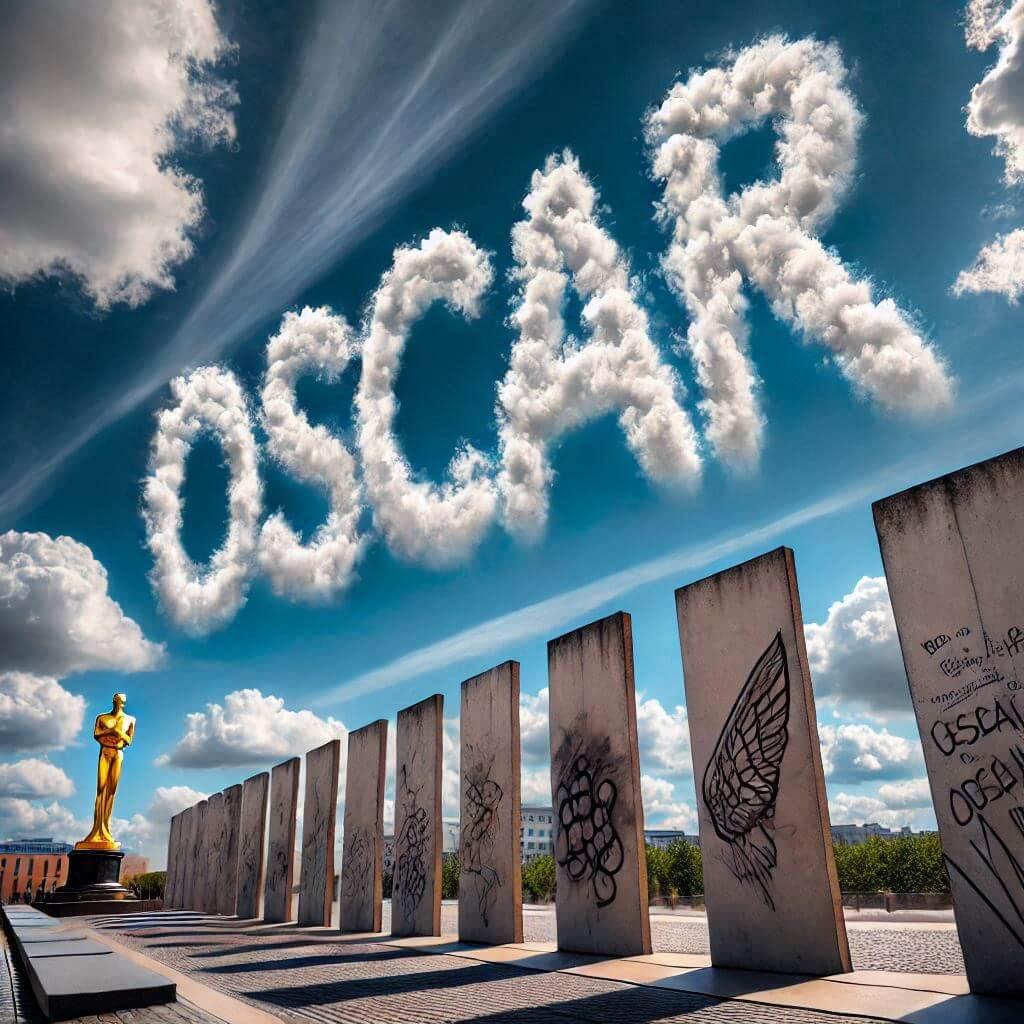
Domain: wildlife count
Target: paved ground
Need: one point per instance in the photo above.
(297, 979)
(17, 1005)
(918, 949)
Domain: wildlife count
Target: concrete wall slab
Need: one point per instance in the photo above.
(319, 815)
(770, 884)
(363, 850)
(280, 870)
(416, 899)
(952, 554)
(601, 865)
(490, 880)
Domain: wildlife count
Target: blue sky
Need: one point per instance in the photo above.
(320, 139)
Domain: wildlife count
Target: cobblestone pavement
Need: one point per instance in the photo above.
(883, 947)
(297, 979)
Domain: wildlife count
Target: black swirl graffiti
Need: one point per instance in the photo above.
(411, 849)
(589, 847)
(481, 798)
(358, 864)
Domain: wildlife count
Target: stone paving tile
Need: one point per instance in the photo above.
(18, 1005)
(333, 982)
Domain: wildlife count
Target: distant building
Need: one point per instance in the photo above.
(536, 836)
(537, 832)
(855, 835)
(31, 867)
(134, 864)
(665, 837)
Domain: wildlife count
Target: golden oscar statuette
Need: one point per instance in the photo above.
(113, 731)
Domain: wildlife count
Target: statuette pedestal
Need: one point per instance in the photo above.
(93, 887)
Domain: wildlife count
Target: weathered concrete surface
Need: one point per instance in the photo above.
(186, 862)
(490, 882)
(952, 550)
(197, 890)
(416, 899)
(228, 894)
(319, 814)
(251, 835)
(601, 867)
(284, 798)
(214, 852)
(770, 881)
(361, 886)
(181, 855)
(173, 835)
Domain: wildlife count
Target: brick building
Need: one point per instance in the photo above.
(29, 867)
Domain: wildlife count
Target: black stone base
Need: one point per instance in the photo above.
(93, 876)
(99, 907)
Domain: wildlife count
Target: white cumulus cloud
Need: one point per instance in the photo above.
(996, 110)
(249, 728)
(998, 268)
(533, 725)
(855, 752)
(97, 99)
(767, 234)
(436, 525)
(33, 778)
(311, 341)
(147, 833)
(896, 805)
(37, 713)
(552, 387)
(663, 738)
(56, 616)
(20, 818)
(855, 656)
(663, 807)
(996, 107)
(201, 599)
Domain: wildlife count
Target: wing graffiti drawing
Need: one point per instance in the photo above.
(741, 781)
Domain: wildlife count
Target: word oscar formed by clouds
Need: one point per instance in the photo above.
(101, 96)
(56, 616)
(434, 525)
(313, 341)
(996, 109)
(248, 728)
(548, 391)
(854, 654)
(198, 601)
(551, 386)
(766, 234)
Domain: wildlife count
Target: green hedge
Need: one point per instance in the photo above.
(147, 886)
(903, 864)
(450, 871)
(539, 879)
(674, 871)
